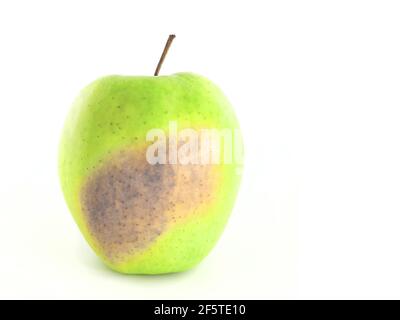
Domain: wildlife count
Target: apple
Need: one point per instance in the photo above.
(145, 188)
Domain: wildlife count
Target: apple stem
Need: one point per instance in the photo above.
(165, 51)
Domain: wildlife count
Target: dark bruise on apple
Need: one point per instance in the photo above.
(129, 202)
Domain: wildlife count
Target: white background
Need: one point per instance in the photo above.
(316, 86)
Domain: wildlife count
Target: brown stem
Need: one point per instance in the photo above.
(166, 48)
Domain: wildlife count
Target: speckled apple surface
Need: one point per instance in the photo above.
(141, 218)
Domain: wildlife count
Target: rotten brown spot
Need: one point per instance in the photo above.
(128, 202)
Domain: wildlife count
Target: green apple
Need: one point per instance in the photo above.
(140, 211)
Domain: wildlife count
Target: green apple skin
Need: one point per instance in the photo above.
(176, 215)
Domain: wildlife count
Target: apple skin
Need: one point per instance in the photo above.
(178, 212)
